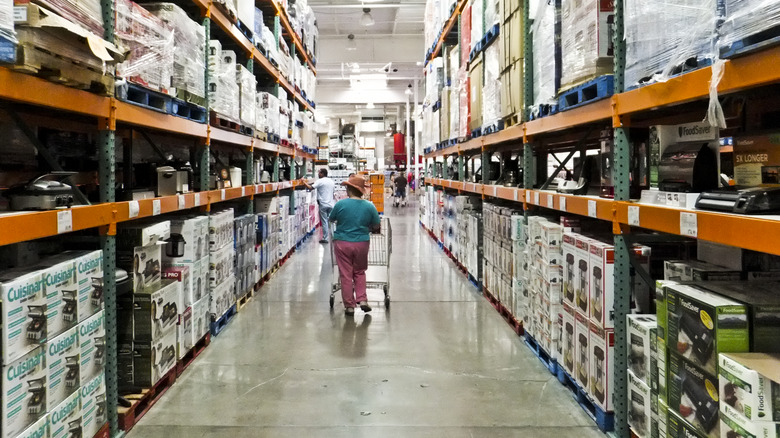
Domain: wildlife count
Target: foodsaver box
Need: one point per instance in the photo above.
(693, 395)
(750, 385)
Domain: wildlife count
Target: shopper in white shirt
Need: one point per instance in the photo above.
(325, 198)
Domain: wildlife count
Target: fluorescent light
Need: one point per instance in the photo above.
(366, 19)
(351, 43)
(370, 105)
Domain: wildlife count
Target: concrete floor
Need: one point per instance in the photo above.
(441, 363)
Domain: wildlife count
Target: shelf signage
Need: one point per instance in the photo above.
(562, 203)
(134, 208)
(633, 215)
(182, 202)
(222, 194)
(592, 211)
(197, 198)
(243, 191)
(689, 226)
(156, 207)
(528, 196)
(536, 198)
(64, 221)
(550, 201)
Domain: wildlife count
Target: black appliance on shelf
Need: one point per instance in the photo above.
(37, 402)
(742, 200)
(688, 167)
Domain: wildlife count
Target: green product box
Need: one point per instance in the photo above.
(749, 385)
(702, 324)
(693, 396)
(676, 427)
(659, 420)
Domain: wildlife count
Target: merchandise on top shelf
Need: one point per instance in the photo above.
(150, 43)
(586, 40)
(247, 84)
(693, 395)
(476, 82)
(24, 306)
(639, 406)
(94, 408)
(7, 21)
(491, 91)
(223, 91)
(477, 8)
(750, 385)
(63, 364)
(546, 50)
(92, 337)
(24, 392)
(747, 22)
(641, 336)
(65, 419)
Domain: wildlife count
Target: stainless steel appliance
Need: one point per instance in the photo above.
(752, 200)
(45, 192)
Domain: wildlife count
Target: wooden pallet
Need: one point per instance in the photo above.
(220, 121)
(143, 401)
(512, 120)
(42, 63)
(243, 301)
(104, 432)
(191, 97)
(222, 322)
(261, 135)
(191, 355)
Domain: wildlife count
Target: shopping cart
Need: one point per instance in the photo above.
(378, 272)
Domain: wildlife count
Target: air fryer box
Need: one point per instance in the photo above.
(641, 337)
(640, 415)
(24, 392)
(570, 272)
(763, 302)
(24, 305)
(93, 406)
(702, 324)
(92, 338)
(62, 293)
(582, 275)
(153, 360)
(694, 270)
(581, 350)
(750, 384)
(185, 335)
(732, 424)
(156, 313)
(677, 427)
(196, 244)
(65, 419)
(38, 430)
(601, 363)
(693, 395)
(89, 275)
(63, 364)
(183, 275)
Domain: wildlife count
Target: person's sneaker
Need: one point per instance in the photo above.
(364, 306)
(324, 241)
(349, 311)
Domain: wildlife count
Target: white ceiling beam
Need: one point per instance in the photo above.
(327, 6)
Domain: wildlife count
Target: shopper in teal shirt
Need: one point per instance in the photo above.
(355, 218)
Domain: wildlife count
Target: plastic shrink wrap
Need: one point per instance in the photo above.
(491, 15)
(432, 22)
(454, 80)
(662, 36)
(7, 20)
(223, 88)
(189, 38)
(587, 27)
(247, 84)
(491, 92)
(464, 100)
(748, 18)
(546, 52)
(86, 13)
(268, 113)
(149, 43)
(477, 21)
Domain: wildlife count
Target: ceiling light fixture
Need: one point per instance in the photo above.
(370, 105)
(366, 19)
(408, 90)
(351, 43)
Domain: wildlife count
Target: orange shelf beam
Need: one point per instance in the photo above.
(594, 112)
(31, 90)
(37, 225)
(285, 20)
(453, 20)
(140, 116)
(225, 136)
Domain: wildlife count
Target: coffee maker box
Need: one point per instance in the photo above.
(732, 424)
(750, 384)
(640, 412)
(185, 335)
(601, 362)
(89, 275)
(65, 419)
(94, 408)
(92, 338)
(190, 229)
(63, 364)
(582, 276)
(582, 350)
(568, 341)
(24, 306)
(153, 360)
(641, 337)
(38, 430)
(570, 271)
(702, 324)
(185, 276)
(62, 293)
(157, 312)
(693, 395)
(24, 392)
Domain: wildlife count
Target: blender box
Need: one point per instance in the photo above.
(640, 414)
(92, 338)
(93, 406)
(694, 270)
(763, 303)
(157, 312)
(153, 360)
(569, 248)
(194, 231)
(201, 319)
(184, 276)
(702, 324)
(582, 275)
(582, 350)
(676, 427)
(693, 395)
(63, 366)
(38, 430)
(602, 353)
(89, 275)
(732, 424)
(24, 312)
(185, 335)
(750, 384)
(641, 337)
(62, 293)
(24, 392)
(65, 419)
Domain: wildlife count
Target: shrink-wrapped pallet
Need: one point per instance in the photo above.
(546, 51)
(247, 84)
(477, 21)
(223, 90)
(587, 27)
(491, 91)
(748, 22)
(464, 104)
(7, 20)
(149, 43)
(86, 13)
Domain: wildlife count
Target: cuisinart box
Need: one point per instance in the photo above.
(93, 406)
(63, 362)
(750, 383)
(757, 160)
(140, 253)
(640, 413)
(641, 336)
(89, 275)
(24, 393)
(152, 360)
(92, 337)
(38, 430)
(184, 274)
(693, 395)
(59, 277)
(157, 312)
(65, 419)
(24, 307)
(601, 362)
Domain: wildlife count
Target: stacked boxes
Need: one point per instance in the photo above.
(749, 395)
(498, 258)
(247, 84)
(150, 45)
(546, 50)
(643, 407)
(586, 40)
(224, 90)
(511, 58)
(244, 271)
(545, 281)
(221, 256)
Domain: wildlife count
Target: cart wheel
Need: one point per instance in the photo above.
(332, 301)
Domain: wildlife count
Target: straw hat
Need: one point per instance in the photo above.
(357, 182)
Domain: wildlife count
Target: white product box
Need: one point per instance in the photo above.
(201, 285)
(733, 424)
(157, 312)
(191, 229)
(93, 406)
(65, 419)
(582, 276)
(641, 335)
(185, 336)
(59, 277)
(140, 253)
(220, 230)
(215, 58)
(570, 271)
(183, 275)
(552, 234)
(750, 383)
(24, 392)
(38, 430)
(694, 270)
(602, 284)
(639, 406)
(24, 312)
(153, 360)
(220, 266)
(131, 235)
(63, 362)
(201, 319)
(92, 337)
(601, 362)
(582, 351)
(222, 298)
(89, 275)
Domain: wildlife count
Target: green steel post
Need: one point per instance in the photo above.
(485, 163)
(528, 67)
(461, 168)
(445, 169)
(528, 170)
(107, 6)
(275, 176)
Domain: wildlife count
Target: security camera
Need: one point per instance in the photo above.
(387, 69)
(395, 70)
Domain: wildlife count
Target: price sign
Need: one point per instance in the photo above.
(592, 211)
(536, 198)
(222, 194)
(633, 215)
(562, 203)
(64, 221)
(156, 207)
(243, 191)
(528, 196)
(182, 202)
(495, 191)
(197, 198)
(516, 194)
(550, 201)
(134, 208)
(689, 225)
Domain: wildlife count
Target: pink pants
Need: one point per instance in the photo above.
(352, 258)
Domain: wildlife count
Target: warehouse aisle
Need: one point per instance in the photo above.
(441, 363)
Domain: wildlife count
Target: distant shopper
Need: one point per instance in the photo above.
(325, 199)
(355, 218)
(400, 189)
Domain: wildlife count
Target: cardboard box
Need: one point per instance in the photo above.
(144, 266)
(153, 360)
(658, 419)
(641, 337)
(185, 336)
(63, 364)
(222, 298)
(24, 306)
(194, 231)
(201, 319)
(220, 266)
(38, 430)
(738, 259)
(143, 233)
(582, 275)
(757, 160)
(582, 350)
(702, 324)
(93, 406)
(570, 272)
(601, 363)
(750, 384)
(732, 424)
(92, 338)
(89, 276)
(693, 395)
(512, 89)
(24, 392)
(221, 229)
(156, 313)
(62, 290)
(185, 274)
(66, 417)
(640, 414)
(512, 39)
(694, 270)
(476, 74)
(676, 427)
